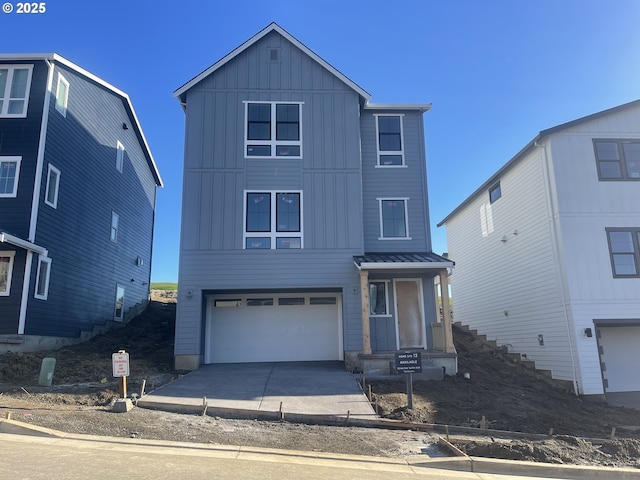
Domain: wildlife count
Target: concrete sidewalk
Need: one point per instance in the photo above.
(308, 388)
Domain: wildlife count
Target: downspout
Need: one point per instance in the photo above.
(35, 201)
(556, 252)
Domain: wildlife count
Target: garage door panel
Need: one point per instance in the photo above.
(272, 333)
(620, 353)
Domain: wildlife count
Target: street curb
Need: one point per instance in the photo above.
(461, 463)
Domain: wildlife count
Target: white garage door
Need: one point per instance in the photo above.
(620, 353)
(273, 328)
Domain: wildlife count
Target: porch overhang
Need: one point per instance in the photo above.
(19, 242)
(427, 261)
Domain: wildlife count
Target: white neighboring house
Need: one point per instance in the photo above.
(548, 253)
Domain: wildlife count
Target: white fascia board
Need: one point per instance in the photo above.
(54, 57)
(404, 266)
(18, 242)
(421, 107)
(270, 28)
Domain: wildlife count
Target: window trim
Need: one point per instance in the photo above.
(635, 238)
(386, 298)
(18, 161)
(11, 255)
(53, 204)
(624, 172)
(380, 153)
(273, 234)
(62, 106)
(43, 296)
(272, 142)
(120, 150)
(115, 227)
(5, 99)
(119, 318)
(495, 187)
(406, 217)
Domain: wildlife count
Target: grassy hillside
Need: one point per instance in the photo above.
(164, 286)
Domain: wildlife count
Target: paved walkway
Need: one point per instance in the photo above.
(309, 388)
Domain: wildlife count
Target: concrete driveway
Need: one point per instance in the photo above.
(307, 388)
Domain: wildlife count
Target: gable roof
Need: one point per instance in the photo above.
(518, 156)
(273, 27)
(54, 57)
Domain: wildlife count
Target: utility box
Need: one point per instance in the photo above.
(46, 372)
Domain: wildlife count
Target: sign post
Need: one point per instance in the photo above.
(409, 363)
(120, 363)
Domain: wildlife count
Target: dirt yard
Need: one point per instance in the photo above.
(509, 396)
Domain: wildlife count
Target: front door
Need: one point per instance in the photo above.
(409, 314)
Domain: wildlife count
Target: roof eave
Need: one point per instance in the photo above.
(420, 107)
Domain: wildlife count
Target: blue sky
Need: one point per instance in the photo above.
(496, 71)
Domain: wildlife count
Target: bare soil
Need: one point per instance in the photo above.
(510, 397)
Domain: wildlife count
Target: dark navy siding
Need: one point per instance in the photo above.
(20, 137)
(86, 265)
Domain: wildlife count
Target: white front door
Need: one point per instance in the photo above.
(409, 314)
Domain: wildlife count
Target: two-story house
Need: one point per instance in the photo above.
(77, 203)
(305, 226)
(548, 253)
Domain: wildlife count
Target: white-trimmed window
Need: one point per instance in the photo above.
(379, 298)
(119, 156)
(62, 95)
(118, 311)
(115, 220)
(273, 129)
(495, 192)
(6, 270)
(42, 278)
(15, 84)
(393, 219)
(272, 220)
(53, 185)
(390, 141)
(9, 173)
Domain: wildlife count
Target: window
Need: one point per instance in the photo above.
(6, 269)
(53, 184)
(618, 159)
(495, 193)
(378, 298)
(390, 142)
(119, 306)
(393, 218)
(42, 278)
(624, 249)
(119, 156)
(291, 301)
(9, 172)
(114, 226)
(273, 220)
(273, 129)
(62, 95)
(15, 83)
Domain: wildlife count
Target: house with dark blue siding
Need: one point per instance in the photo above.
(77, 204)
(305, 224)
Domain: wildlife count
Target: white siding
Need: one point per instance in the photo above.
(508, 290)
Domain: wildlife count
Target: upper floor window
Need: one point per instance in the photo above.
(15, 83)
(273, 220)
(390, 140)
(42, 278)
(495, 193)
(53, 184)
(115, 220)
(119, 156)
(624, 248)
(62, 95)
(393, 219)
(6, 269)
(618, 159)
(273, 129)
(9, 172)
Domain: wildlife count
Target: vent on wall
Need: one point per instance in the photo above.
(274, 54)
